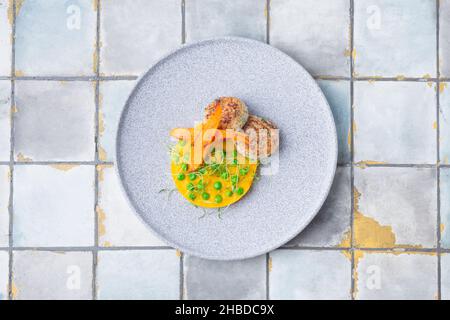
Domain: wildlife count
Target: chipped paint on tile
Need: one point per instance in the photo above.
(178, 253)
(364, 164)
(435, 125)
(19, 73)
(14, 290)
(442, 87)
(442, 227)
(101, 219)
(100, 171)
(19, 4)
(400, 77)
(64, 167)
(22, 158)
(348, 53)
(270, 264)
(102, 156)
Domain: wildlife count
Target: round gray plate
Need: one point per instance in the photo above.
(173, 94)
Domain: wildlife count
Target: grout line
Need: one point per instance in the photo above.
(438, 171)
(50, 163)
(268, 276)
(11, 155)
(181, 275)
(183, 21)
(90, 248)
(74, 78)
(268, 21)
(352, 149)
(149, 248)
(96, 193)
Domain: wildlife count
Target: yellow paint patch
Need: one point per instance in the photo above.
(101, 221)
(178, 253)
(101, 154)
(100, 168)
(101, 122)
(64, 167)
(106, 244)
(442, 87)
(435, 125)
(270, 264)
(95, 4)
(346, 240)
(19, 73)
(427, 76)
(10, 12)
(400, 77)
(22, 158)
(446, 160)
(365, 163)
(14, 291)
(14, 109)
(442, 227)
(95, 60)
(350, 53)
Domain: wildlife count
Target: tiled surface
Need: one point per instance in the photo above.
(445, 208)
(445, 261)
(52, 275)
(53, 30)
(207, 279)
(444, 119)
(395, 207)
(387, 29)
(315, 33)
(4, 268)
(5, 120)
(74, 235)
(54, 121)
(131, 48)
(331, 226)
(138, 274)
(396, 276)
(118, 224)
(5, 38)
(4, 202)
(113, 95)
(395, 122)
(444, 52)
(310, 275)
(215, 18)
(53, 206)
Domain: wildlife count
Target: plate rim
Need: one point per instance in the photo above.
(180, 247)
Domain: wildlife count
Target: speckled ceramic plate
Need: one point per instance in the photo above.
(174, 92)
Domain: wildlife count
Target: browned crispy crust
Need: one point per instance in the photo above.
(262, 133)
(234, 112)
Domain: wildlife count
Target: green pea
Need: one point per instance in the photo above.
(205, 195)
(192, 176)
(200, 186)
(181, 176)
(218, 198)
(235, 161)
(242, 172)
(202, 170)
(235, 153)
(190, 186)
(217, 185)
(192, 196)
(234, 179)
(225, 175)
(184, 166)
(240, 191)
(229, 193)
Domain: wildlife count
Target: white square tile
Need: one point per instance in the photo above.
(113, 96)
(215, 18)
(55, 38)
(55, 121)
(136, 33)
(5, 120)
(118, 224)
(444, 38)
(5, 37)
(138, 274)
(314, 32)
(395, 207)
(307, 274)
(395, 122)
(42, 275)
(387, 276)
(4, 275)
(395, 38)
(53, 206)
(4, 203)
